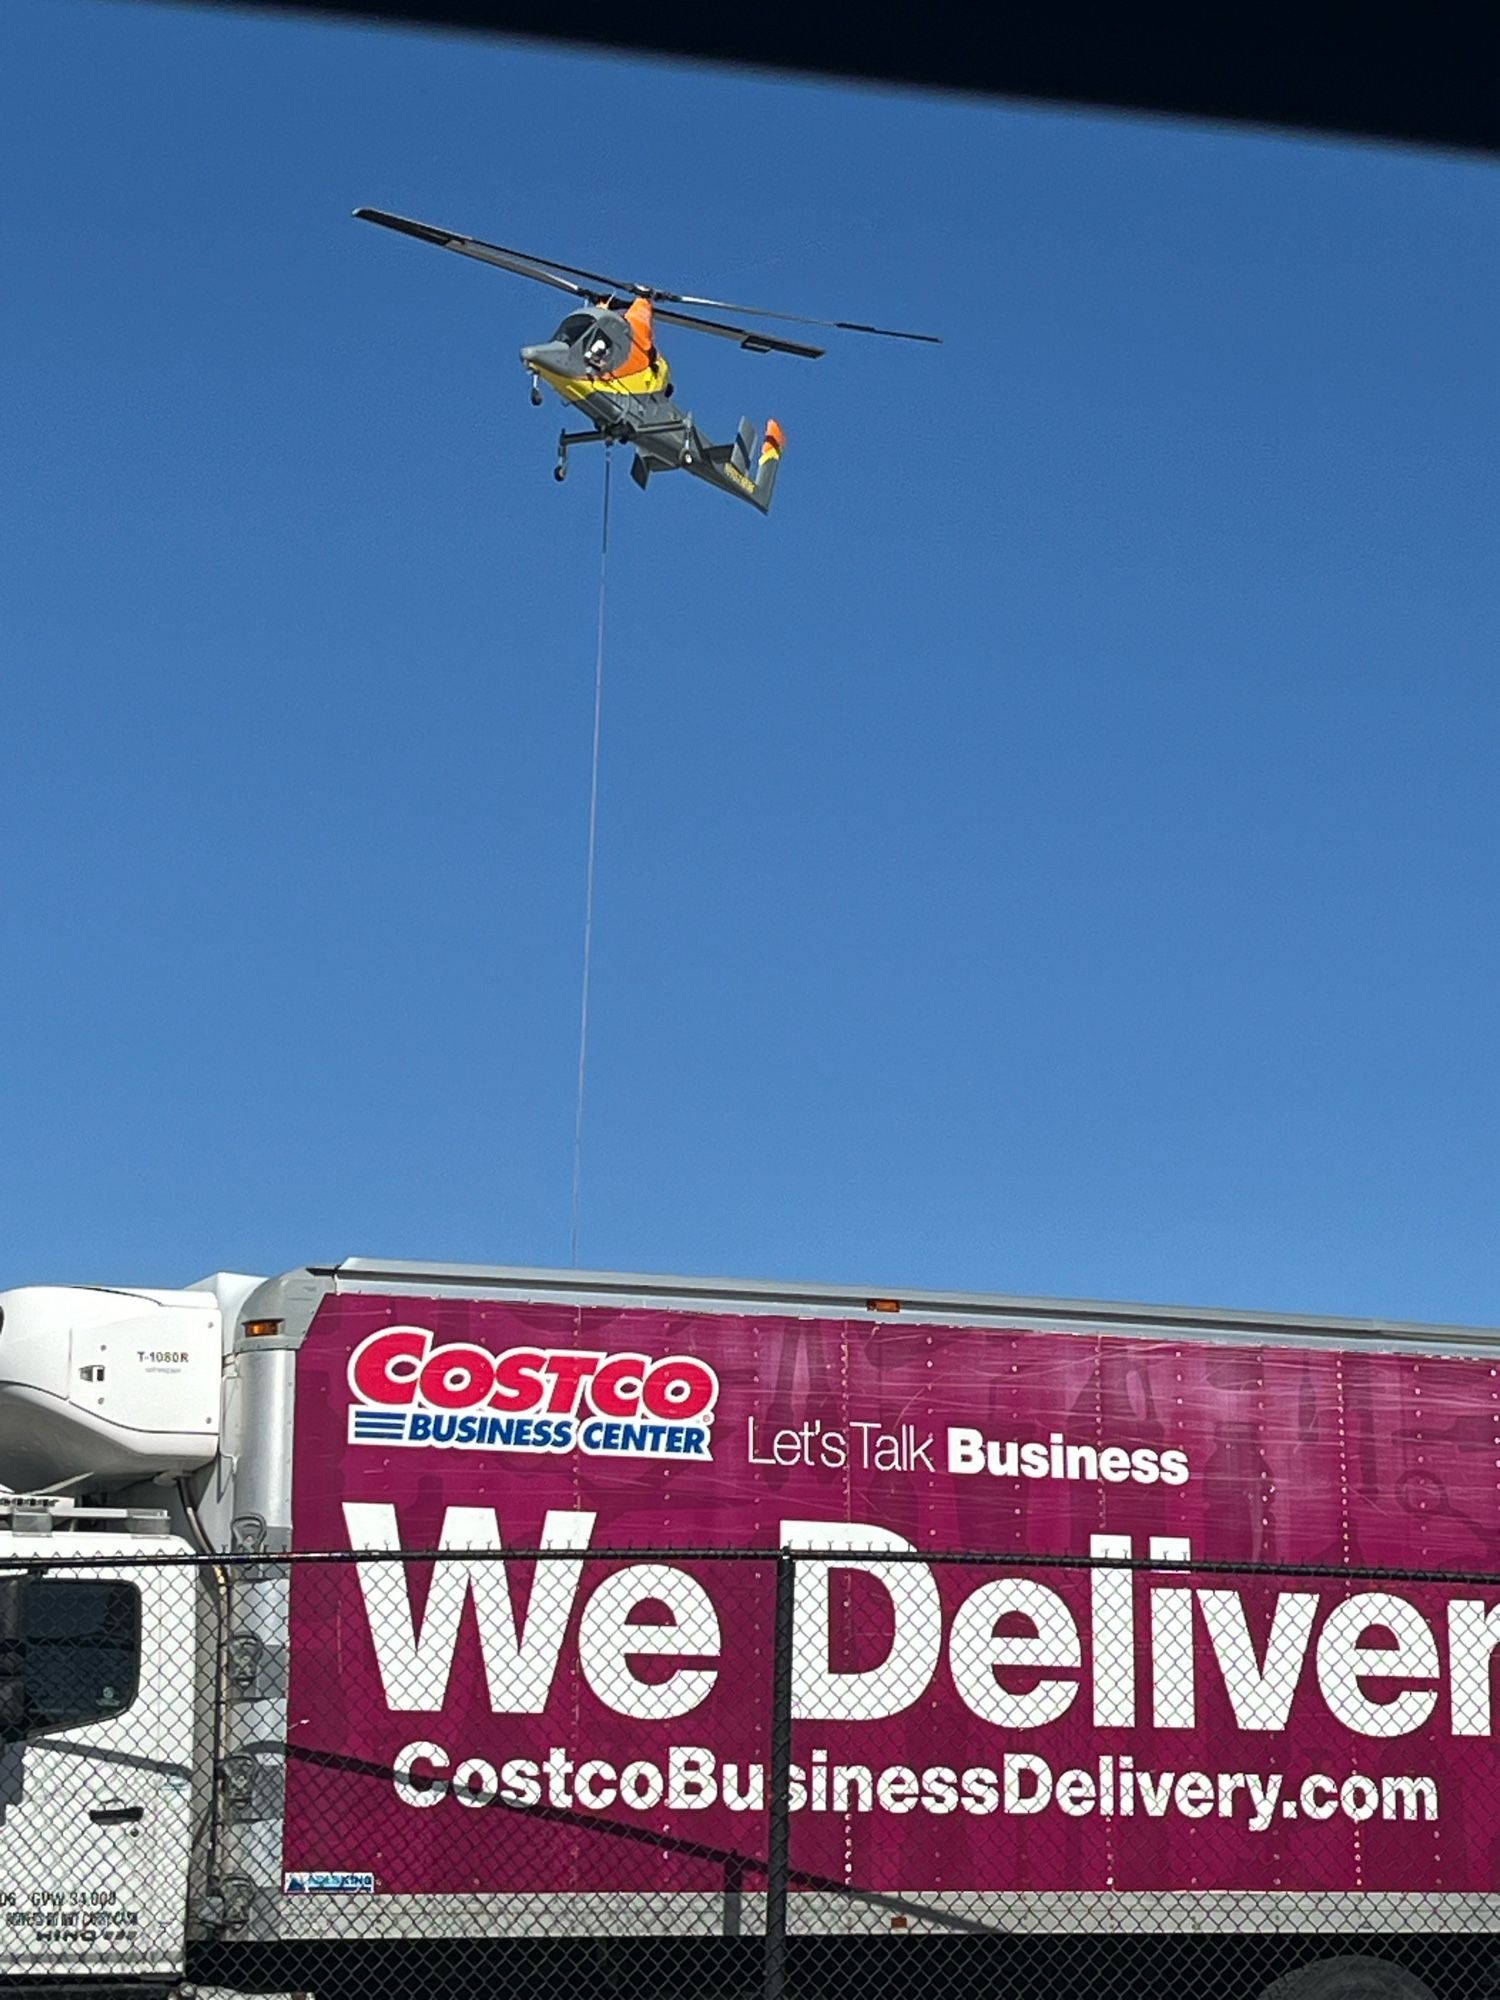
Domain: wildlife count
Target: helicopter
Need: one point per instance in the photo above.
(603, 361)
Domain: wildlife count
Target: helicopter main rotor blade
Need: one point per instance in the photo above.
(549, 271)
(800, 319)
(487, 253)
(755, 343)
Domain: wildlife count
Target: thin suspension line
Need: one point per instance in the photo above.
(588, 899)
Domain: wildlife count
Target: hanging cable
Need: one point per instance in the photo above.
(588, 898)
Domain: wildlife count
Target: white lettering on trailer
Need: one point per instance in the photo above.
(1261, 1696)
(607, 1641)
(416, 1663)
(1343, 1659)
(1473, 1634)
(691, 1778)
(903, 1677)
(1173, 1668)
(416, 1660)
(975, 1650)
(416, 1656)
(971, 1452)
(1112, 1615)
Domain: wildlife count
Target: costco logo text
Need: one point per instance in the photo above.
(410, 1390)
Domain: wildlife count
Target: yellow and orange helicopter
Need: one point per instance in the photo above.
(603, 361)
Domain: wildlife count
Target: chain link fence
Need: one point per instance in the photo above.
(833, 1774)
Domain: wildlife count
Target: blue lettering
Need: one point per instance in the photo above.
(519, 1433)
(626, 1439)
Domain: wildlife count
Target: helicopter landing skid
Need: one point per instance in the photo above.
(566, 442)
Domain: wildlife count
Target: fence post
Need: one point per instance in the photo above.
(779, 1823)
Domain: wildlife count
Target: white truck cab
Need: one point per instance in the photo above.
(96, 1741)
(100, 1390)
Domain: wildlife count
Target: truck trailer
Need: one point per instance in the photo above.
(394, 1628)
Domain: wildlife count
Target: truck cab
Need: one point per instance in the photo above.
(96, 1741)
(106, 1398)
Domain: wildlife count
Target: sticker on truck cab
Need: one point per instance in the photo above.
(327, 1882)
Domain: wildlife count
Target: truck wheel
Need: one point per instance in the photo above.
(1352, 1978)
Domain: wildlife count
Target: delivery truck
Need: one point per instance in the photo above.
(390, 1629)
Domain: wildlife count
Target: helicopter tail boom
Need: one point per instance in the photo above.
(666, 447)
(728, 465)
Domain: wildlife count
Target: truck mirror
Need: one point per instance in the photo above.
(13, 1657)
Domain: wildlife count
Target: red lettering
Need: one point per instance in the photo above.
(518, 1379)
(569, 1372)
(679, 1387)
(615, 1390)
(457, 1377)
(384, 1368)
(399, 1365)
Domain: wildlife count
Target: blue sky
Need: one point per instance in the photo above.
(1056, 852)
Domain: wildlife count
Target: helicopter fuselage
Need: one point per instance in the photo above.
(604, 363)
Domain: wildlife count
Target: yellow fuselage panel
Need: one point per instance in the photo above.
(648, 381)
